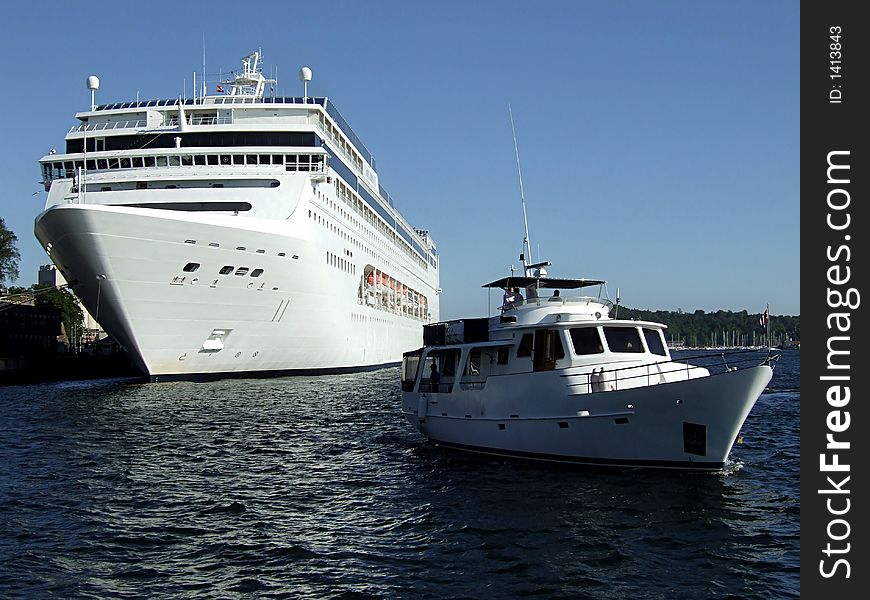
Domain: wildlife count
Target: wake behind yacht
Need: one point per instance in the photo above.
(236, 233)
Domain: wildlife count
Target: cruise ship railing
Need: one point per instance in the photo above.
(109, 125)
(140, 123)
(712, 363)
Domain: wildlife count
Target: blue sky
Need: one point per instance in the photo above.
(659, 141)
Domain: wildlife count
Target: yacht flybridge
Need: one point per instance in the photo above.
(553, 377)
(235, 233)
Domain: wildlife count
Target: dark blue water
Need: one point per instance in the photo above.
(317, 488)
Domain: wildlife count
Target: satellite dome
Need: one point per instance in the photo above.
(305, 74)
(93, 82)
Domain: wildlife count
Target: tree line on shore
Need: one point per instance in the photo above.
(721, 328)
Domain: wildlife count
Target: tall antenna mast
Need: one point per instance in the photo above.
(204, 87)
(527, 246)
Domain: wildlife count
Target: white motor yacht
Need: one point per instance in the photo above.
(555, 378)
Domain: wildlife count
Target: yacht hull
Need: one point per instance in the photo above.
(689, 424)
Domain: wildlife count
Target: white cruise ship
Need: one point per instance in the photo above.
(236, 233)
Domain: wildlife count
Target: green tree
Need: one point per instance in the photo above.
(9, 255)
(70, 313)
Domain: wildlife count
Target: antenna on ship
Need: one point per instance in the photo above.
(305, 77)
(527, 246)
(93, 85)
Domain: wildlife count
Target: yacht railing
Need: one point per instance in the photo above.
(609, 380)
(554, 301)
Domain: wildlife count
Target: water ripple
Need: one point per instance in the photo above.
(316, 488)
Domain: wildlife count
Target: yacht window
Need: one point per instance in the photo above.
(149, 161)
(174, 161)
(586, 340)
(191, 267)
(242, 271)
(256, 272)
(137, 162)
(162, 161)
(141, 185)
(277, 159)
(525, 347)
(502, 356)
(187, 160)
(473, 366)
(238, 159)
(212, 159)
(623, 339)
(410, 364)
(92, 165)
(265, 159)
(252, 159)
(654, 341)
(225, 159)
(226, 270)
(114, 163)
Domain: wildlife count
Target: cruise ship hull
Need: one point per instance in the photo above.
(261, 298)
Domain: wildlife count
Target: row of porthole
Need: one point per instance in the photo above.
(241, 248)
(225, 270)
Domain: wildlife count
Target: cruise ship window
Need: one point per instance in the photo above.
(162, 161)
(226, 270)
